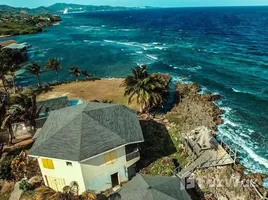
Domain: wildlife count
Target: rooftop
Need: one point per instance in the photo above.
(144, 187)
(80, 132)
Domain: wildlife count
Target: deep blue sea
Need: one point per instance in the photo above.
(225, 50)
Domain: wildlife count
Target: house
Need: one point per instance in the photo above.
(93, 144)
(145, 187)
(22, 48)
(7, 42)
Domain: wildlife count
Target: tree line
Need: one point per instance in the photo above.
(54, 65)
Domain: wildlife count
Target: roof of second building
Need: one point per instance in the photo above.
(145, 187)
(81, 132)
(53, 104)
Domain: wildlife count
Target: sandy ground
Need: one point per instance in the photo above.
(104, 89)
(4, 36)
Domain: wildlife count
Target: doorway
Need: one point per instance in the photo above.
(115, 180)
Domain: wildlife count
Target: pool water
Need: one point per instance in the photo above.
(75, 102)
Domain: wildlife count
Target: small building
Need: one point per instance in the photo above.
(7, 42)
(49, 105)
(14, 46)
(93, 144)
(144, 187)
(22, 48)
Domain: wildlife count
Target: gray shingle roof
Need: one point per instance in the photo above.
(144, 187)
(83, 131)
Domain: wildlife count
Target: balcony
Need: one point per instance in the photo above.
(133, 155)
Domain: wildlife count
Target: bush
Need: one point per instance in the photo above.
(5, 168)
(25, 186)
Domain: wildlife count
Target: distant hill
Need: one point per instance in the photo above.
(60, 7)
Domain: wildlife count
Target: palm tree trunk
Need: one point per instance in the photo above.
(14, 84)
(39, 81)
(57, 76)
(11, 133)
(4, 85)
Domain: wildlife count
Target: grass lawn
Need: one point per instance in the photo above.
(104, 89)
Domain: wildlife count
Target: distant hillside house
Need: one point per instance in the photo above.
(22, 48)
(93, 144)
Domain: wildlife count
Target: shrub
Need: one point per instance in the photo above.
(25, 186)
(5, 168)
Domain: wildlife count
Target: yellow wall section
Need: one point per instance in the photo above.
(110, 158)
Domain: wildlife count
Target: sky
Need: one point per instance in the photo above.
(156, 3)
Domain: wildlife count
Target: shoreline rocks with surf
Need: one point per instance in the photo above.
(193, 110)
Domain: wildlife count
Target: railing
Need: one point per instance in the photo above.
(132, 155)
(253, 184)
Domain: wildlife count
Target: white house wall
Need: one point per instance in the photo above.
(68, 173)
(97, 174)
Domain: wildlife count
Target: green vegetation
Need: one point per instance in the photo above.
(74, 71)
(54, 64)
(9, 62)
(21, 24)
(5, 168)
(69, 193)
(35, 69)
(25, 186)
(162, 152)
(148, 90)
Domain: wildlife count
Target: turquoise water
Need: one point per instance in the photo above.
(75, 102)
(223, 49)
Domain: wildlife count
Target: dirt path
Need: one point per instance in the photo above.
(15, 195)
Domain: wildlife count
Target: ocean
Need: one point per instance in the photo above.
(225, 50)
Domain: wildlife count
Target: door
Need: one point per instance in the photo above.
(56, 184)
(115, 179)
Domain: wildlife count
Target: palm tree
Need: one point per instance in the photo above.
(68, 193)
(9, 60)
(12, 114)
(54, 64)
(147, 89)
(74, 71)
(86, 74)
(35, 69)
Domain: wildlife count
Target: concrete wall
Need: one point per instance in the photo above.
(68, 173)
(97, 174)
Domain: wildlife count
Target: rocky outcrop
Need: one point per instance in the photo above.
(194, 110)
(225, 183)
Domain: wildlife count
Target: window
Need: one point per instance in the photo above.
(47, 163)
(69, 164)
(110, 157)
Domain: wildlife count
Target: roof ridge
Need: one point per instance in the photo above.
(112, 132)
(63, 126)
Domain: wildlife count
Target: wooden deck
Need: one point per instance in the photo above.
(221, 155)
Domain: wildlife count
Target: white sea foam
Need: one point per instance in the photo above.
(160, 47)
(152, 56)
(242, 146)
(139, 52)
(265, 183)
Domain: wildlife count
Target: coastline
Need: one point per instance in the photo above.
(191, 110)
(4, 36)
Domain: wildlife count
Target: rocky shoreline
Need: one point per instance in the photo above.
(193, 110)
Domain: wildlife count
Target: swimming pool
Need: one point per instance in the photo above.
(75, 102)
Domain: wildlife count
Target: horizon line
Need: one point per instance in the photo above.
(201, 6)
